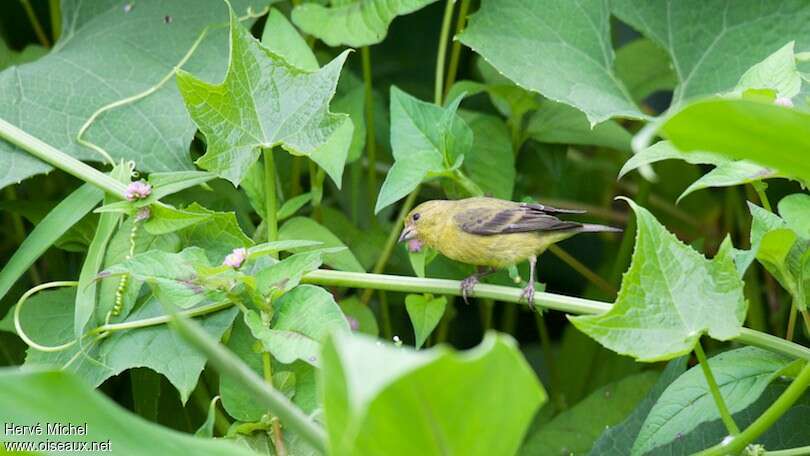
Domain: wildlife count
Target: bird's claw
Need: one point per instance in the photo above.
(528, 295)
(467, 287)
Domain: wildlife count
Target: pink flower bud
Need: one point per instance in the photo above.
(235, 258)
(414, 245)
(143, 214)
(137, 190)
(784, 101)
(353, 323)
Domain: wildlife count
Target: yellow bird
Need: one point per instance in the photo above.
(490, 233)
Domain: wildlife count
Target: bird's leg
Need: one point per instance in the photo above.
(528, 292)
(468, 284)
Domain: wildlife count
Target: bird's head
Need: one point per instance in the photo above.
(423, 220)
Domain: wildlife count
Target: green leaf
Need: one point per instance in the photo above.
(771, 135)
(32, 397)
(281, 38)
(218, 235)
(264, 102)
(352, 102)
(305, 228)
(425, 139)
(240, 403)
(559, 48)
(66, 214)
(741, 375)
(575, 430)
(728, 175)
(713, 43)
(425, 311)
(645, 68)
(354, 23)
(795, 210)
(618, 440)
(664, 150)
(302, 319)
(360, 317)
(165, 219)
(561, 124)
(661, 310)
(93, 65)
(173, 277)
(47, 318)
(286, 274)
(379, 399)
(777, 72)
(9, 57)
(292, 205)
(268, 248)
(490, 162)
(207, 428)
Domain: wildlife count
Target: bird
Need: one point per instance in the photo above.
(491, 234)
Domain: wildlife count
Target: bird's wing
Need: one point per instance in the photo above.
(520, 218)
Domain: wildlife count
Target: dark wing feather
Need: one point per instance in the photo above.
(520, 218)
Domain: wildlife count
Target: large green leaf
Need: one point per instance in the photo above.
(490, 162)
(354, 23)
(618, 440)
(560, 48)
(741, 375)
(669, 297)
(302, 319)
(264, 102)
(765, 133)
(379, 399)
(561, 124)
(425, 311)
(306, 228)
(37, 397)
(218, 235)
(729, 174)
(48, 319)
(106, 54)
(575, 430)
(713, 43)
(426, 140)
(795, 210)
(281, 38)
(645, 68)
(777, 72)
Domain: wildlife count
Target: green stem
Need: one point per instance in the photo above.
(61, 160)
(766, 420)
(316, 177)
(800, 451)
(371, 137)
(38, 30)
(388, 248)
(278, 438)
(806, 319)
(763, 196)
(385, 316)
(295, 176)
(228, 364)
(487, 310)
(468, 185)
(548, 355)
(791, 326)
(56, 19)
(725, 415)
(270, 195)
(19, 231)
(455, 51)
(583, 270)
(438, 91)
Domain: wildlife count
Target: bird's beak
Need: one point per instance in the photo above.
(407, 234)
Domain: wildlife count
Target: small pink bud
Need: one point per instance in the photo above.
(137, 190)
(143, 214)
(784, 101)
(235, 258)
(414, 245)
(353, 323)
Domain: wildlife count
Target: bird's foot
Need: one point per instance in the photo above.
(468, 286)
(528, 295)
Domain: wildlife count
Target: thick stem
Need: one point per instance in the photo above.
(270, 195)
(548, 355)
(35, 24)
(371, 137)
(55, 10)
(59, 159)
(278, 437)
(791, 326)
(763, 196)
(725, 415)
(228, 364)
(388, 248)
(455, 51)
(766, 420)
(438, 92)
(806, 319)
(316, 177)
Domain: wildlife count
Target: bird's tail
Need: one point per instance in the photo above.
(591, 228)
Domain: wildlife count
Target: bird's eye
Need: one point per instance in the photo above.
(416, 216)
